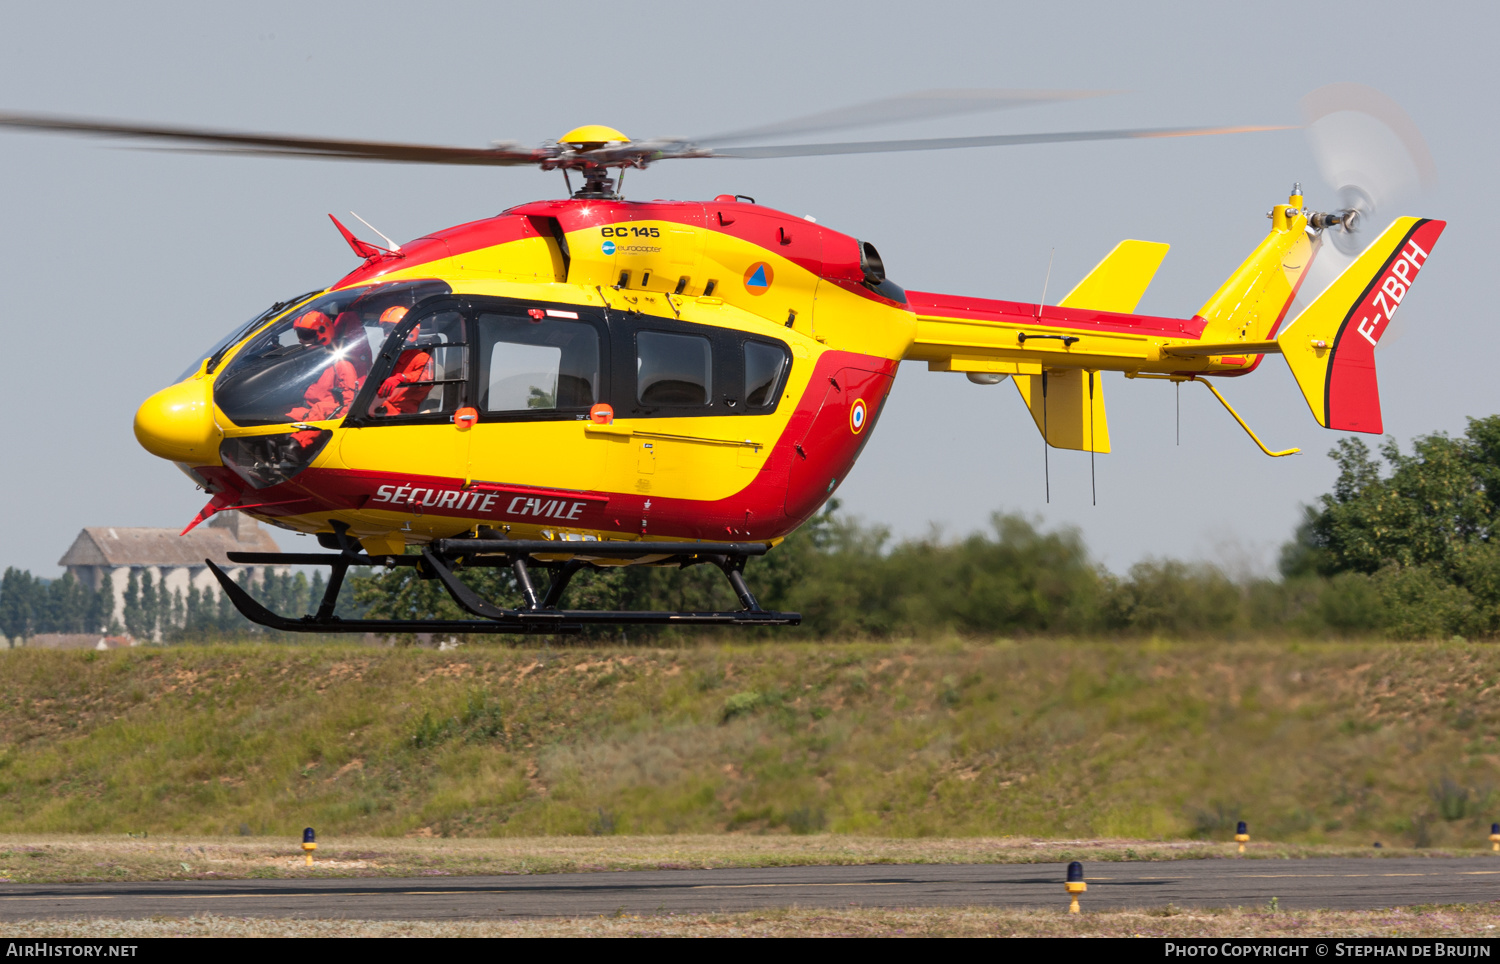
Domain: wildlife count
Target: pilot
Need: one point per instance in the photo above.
(334, 390)
(414, 366)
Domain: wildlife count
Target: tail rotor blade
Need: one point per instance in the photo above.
(1373, 159)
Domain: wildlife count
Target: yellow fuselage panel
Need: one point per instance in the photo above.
(700, 458)
(704, 459)
(668, 263)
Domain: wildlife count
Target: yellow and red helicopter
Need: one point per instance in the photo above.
(595, 381)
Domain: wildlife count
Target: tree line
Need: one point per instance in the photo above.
(1404, 546)
(30, 606)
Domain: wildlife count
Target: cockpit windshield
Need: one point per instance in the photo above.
(308, 366)
(233, 338)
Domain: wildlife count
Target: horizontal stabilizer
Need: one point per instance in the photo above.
(1068, 407)
(1118, 282)
(1331, 344)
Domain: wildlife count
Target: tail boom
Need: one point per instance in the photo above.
(1329, 346)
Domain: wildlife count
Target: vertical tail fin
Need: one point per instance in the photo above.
(1068, 406)
(1330, 347)
(1251, 302)
(1070, 412)
(1118, 282)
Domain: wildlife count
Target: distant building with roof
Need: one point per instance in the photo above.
(175, 561)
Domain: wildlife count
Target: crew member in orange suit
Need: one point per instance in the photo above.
(414, 365)
(333, 392)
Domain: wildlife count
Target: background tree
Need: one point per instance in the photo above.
(1424, 533)
(18, 602)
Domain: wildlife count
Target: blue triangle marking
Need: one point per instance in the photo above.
(758, 280)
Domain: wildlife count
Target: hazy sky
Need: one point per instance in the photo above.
(118, 266)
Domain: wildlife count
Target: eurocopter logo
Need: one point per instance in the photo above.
(609, 248)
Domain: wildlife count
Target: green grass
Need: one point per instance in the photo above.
(1317, 743)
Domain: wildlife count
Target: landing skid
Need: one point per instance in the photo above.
(541, 614)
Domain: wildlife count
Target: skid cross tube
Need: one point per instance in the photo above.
(539, 613)
(560, 579)
(734, 570)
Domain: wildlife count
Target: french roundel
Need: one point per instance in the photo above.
(857, 416)
(758, 278)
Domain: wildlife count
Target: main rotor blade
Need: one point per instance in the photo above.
(991, 140)
(510, 154)
(284, 145)
(917, 105)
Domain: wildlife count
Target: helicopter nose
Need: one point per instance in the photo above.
(177, 423)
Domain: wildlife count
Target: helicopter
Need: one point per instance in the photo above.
(594, 381)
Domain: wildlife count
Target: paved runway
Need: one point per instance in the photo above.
(1329, 883)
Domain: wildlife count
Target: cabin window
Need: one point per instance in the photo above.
(532, 364)
(764, 366)
(428, 368)
(673, 370)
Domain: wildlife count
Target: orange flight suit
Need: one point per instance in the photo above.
(414, 365)
(331, 395)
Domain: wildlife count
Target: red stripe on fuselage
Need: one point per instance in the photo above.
(790, 486)
(443, 244)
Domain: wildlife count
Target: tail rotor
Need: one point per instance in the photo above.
(1374, 160)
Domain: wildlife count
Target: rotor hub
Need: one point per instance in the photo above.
(591, 137)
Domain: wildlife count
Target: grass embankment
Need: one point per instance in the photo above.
(1322, 743)
(1454, 921)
